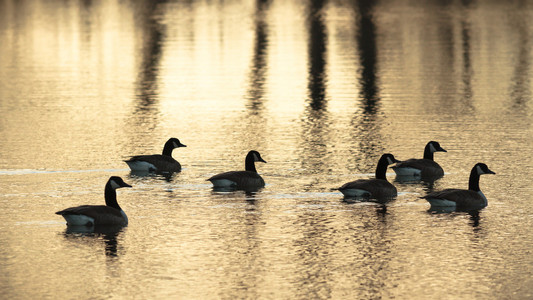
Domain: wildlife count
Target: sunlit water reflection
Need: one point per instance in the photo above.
(321, 90)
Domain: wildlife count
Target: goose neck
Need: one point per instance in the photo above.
(428, 154)
(111, 196)
(473, 181)
(381, 169)
(167, 150)
(249, 163)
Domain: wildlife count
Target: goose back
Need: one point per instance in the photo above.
(248, 179)
(89, 215)
(154, 163)
(164, 162)
(378, 187)
(369, 188)
(237, 179)
(94, 215)
(461, 199)
(425, 167)
(418, 167)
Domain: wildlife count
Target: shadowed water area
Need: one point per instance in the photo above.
(321, 89)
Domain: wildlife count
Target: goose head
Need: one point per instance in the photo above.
(116, 182)
(175, 143)
(256, 156)
(435, 147)
(482, 168)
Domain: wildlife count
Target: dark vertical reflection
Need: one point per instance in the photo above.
(315, 128)
(258, 68)
(467, 66)
(366, 124)
(313, 249)
(151, 53)
(317, 55)
(520, 90)
(467, 52)
(244, 250)
(446, 83)
(144, 116)
(253, 122)
(145, 112)
(86, 11)
(366, 41)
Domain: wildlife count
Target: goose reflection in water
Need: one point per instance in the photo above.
(91, 234)
(231, 192)
(474, 215)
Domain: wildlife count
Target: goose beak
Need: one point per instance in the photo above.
(490, 172)
(441, 149)
(126, 185)
(262, 160)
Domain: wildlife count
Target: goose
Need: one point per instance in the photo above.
(95, 215)
(241, 179)
(471, 199)
(378, 187)
(422, 167)
(162, 163)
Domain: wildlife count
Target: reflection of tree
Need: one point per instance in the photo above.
(258, 68)
(520, 90)
(366, 124)
(467, 71)
(145, 111)
(317, 55)
(151, 54)
(316, 123)
(366, 38)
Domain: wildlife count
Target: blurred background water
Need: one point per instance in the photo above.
(321, 89)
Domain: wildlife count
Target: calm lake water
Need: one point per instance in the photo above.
(321, 89)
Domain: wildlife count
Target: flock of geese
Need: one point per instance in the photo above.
(375, 188)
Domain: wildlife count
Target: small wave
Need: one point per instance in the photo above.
(33, 171)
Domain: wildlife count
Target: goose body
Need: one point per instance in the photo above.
(95, 215)
(160, 163)
(422, 167)
(460, 199)
(378, 188)
(241, 179)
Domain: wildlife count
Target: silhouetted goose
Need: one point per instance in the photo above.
(471, 199)
(378, 188)
(157, 162)
(424, 167)
(241, 179)
(95, 215)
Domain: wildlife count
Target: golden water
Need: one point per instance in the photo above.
(321, 90)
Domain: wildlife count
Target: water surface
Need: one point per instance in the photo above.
(321, 89)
